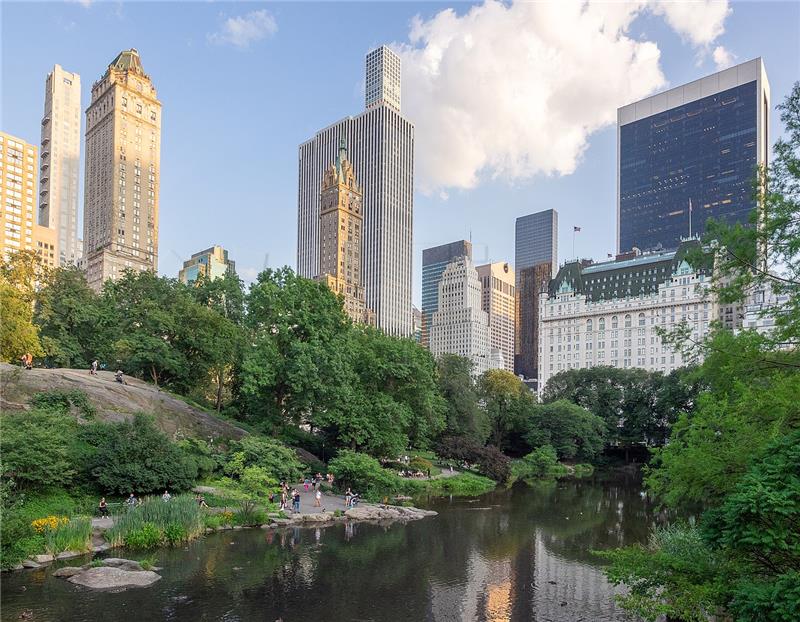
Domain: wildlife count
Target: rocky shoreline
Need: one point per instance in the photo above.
(367, 513)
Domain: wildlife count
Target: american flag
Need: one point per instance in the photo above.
(576, 228)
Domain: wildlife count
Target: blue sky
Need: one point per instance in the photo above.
(242, 84)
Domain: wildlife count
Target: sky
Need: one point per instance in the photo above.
(514, 104)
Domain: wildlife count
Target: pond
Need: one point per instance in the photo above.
(520, 554)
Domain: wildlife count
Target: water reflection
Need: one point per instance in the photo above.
(519, 554)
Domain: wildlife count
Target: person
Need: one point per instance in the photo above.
(103, 507)
(317, 497)
(201, 501)
(296, 500)
(306, 483)
(347, 496)
(29, 361)
(93, 370)
(131, 501)
(354, 500)
(166, 496)
(272, 497)
(118, 377)
(283, 498)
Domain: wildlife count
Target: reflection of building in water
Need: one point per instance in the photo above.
(485, 594)
(584, 588)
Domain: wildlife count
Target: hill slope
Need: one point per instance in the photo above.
(114, 401)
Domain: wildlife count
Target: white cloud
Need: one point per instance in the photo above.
(698, 21)
(723, 58)
(515, 90)
(243, 30)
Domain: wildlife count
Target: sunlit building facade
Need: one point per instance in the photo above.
(211, 263)
(498, 300)
(434, 261)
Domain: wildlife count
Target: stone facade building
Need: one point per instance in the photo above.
(460, 326)
(607, 313)
(498, 300)
(341, 229)
(212, 263)
(123, 152)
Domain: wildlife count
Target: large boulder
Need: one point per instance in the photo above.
(124, 564)
(109, 578)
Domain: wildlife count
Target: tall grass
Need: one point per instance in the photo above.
(176, 521)
(74, 535)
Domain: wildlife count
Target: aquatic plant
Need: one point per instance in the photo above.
(181, 511)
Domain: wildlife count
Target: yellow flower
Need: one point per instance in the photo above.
(49, 523)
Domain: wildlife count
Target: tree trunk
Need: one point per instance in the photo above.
(154, 374)
(219, 392)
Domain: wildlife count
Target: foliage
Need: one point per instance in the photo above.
(249, 514)
(73, 325)
(582, 470)
(418, 463)
(494, 464)
(257, 481)
(134, 456)
(363, 474)
(463, 416)
(19, 275)
(36, 448)
(489, 460)
(540, 463)
(63, 402)
(463, 485)
(146, 526)
(756, 528)
(206, 457)
(503, 396)
(676, 575)
(637, 405)
(278, 462)
(48, 523)
(73, 534)
(572, 431)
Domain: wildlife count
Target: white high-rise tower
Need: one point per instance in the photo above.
(60, 162)
(381, 148)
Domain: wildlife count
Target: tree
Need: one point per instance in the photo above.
(505, 398)
(19, 275)
(73, 327)
(573, 432)
(290, 371)
(464, 416)
(134, 456)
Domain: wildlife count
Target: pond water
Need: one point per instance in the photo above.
(521, 554)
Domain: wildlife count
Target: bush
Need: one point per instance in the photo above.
(206, 458)
(278, 461)
(36, 447)
(582, 470)
(540, 463)
(256, 481)
(175, 533)
(494, 464)
(463, 484)
(69, 535)
(249, 514)
(418, 463)
(136, 457)
(363, 474)
(147, 536)
(62, 402)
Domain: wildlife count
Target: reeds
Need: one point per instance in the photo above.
(72, 535)
(176, 521)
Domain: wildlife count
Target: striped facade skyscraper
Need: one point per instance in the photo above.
(381, 148)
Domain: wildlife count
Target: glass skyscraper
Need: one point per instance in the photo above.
(690, 154)
(536, 262)
(434, 261)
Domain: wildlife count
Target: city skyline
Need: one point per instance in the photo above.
(584, 198)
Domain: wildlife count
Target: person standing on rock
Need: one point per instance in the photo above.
(296, 501)
(93, 370)
(317, 497)
(103, 507)
(347, 496)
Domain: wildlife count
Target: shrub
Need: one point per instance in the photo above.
(257, 481)
(541, 462)
(175, 533)
(136, 456)
(582, 470)
(463, 484)
(418, 463)
(249, 514)
(494, 464)
(147, 536)
(277, 460)
(206, 458)
(363, 474)
(62, 402)
(37, 448)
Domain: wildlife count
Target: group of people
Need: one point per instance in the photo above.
(27, 360)
(285, 496)
(351, 498)
(413, 474)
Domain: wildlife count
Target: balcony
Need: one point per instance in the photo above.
(46, 120)
(45, 153)
(43, 181)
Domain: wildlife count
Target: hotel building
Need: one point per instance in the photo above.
(434, 261)
(212, 263)
(498, 301)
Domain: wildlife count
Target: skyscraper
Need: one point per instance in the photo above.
(498, 300)
(212, 263)
(690, 154)
(60, 161)
(383, 78)
(536, 247)
(123, 150)
(341, 228)
(434, 261)
(18, 228)
(459, 326)
(381, 148)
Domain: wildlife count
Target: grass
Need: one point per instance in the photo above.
(74, 535)
(156, 522)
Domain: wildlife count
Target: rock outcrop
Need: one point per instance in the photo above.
(115, 574)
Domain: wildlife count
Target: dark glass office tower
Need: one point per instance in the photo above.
(434, 261)
(695, 145)
(536, 261)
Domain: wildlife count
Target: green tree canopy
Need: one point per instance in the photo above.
(464, 416)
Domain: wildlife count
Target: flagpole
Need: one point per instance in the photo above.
(573, 242)
(690, 217)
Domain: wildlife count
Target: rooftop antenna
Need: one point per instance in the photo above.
(690, 218)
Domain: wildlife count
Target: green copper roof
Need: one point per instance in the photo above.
(341, 157)
(639, 276)
(128, 60)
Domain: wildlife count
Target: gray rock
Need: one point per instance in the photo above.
(29, 563)
(68, 571)
(67, 555)
(108, 577)
(42, 559)
(101, 547)
(124, 564)
(316, 518)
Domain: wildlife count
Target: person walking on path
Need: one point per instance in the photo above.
(103, 507)
(306, 483)
(317, 497)
(93, 370)
(283, 499)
